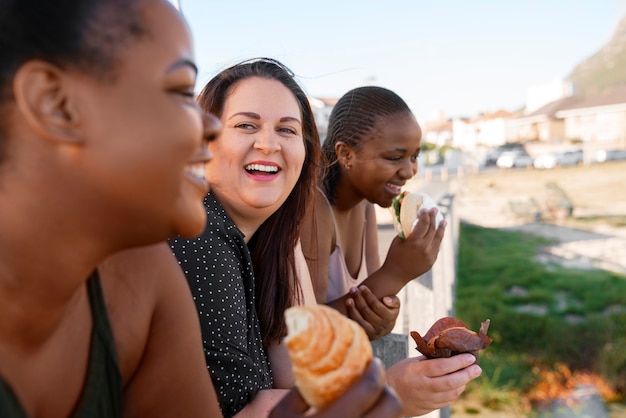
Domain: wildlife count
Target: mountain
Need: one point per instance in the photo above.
(604, 70)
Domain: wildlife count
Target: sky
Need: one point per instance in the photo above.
(460, 57)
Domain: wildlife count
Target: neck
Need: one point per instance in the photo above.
(245, 225)
(247, 220)
(346, 196)
(35, 298)
(42, 270)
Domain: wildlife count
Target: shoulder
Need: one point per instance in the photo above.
(370, 211)
(157, 333)
(323, 210)
(319, 222)
(135, 283)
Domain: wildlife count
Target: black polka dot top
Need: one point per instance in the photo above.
(219, 272)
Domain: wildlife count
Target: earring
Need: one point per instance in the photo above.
(347, 166)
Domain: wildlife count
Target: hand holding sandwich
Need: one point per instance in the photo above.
(409, 257)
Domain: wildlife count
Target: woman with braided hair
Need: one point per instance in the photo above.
(370, 152)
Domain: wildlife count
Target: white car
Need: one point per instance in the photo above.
(570, 157)
(559, 159)
(515, 158)
(545, 160)
(610, 155)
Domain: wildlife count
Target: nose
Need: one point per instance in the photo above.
(212, 126)
(408, 169)
(267, 141)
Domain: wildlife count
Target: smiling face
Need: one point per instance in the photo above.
(147, 142)
(386, 159)
(259, 156)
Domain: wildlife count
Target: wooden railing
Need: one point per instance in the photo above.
(425, 299)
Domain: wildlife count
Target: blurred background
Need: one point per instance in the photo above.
(523, 111)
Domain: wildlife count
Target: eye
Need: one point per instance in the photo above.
(394, 158)
(288, 130)
(245, 126)
(187, 93)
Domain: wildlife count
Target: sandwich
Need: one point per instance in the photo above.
(405, 211)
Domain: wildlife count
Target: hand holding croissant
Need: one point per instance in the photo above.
(328, 352)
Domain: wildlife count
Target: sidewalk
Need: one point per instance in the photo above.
(581, 249)
(601, 246)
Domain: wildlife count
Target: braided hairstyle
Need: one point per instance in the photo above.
(353, 119)
(86, 35)
(272, 245)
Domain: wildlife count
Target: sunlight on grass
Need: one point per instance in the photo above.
(540, 316)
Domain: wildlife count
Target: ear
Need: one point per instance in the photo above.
(43, 96)
(344, 153)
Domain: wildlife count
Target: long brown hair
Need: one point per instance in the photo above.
(272, 245)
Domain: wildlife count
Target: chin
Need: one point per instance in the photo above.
(191, 224)
(383, 203)
(190, 231)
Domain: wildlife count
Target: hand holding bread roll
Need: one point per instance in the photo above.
(449, 336)
(328, 352)
(405, 211)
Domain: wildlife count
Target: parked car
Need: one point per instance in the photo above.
(559, 159)
(515, 158)
(570, 157)
(545, 160)
(610, 155)
(492, 156)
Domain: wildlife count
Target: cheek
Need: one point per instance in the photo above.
(296, 158)
(227, 163)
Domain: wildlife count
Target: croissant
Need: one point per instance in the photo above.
(328, 352)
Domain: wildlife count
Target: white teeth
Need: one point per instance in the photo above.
(196, 170)
(394, 187)
(260, 167)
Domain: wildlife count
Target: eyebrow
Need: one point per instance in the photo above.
(290, 119)
(251, 115)
(405, 150)
(183, 63)
(256, 116)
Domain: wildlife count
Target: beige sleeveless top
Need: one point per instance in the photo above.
(339, 279)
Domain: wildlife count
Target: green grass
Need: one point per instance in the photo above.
(582, 324)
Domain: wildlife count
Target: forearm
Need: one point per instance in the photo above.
(262, 404)
(385, 281)
(381, 283)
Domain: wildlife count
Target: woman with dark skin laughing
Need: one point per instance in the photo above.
(102, 154)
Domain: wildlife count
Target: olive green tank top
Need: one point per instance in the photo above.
(102, 392)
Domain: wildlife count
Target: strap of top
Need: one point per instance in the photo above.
(102, 393)
(10, 406)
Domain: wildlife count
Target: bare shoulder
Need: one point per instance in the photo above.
(318, 226)
(371, 238)
(157, 333)
(370, 212)
(133, 283)
(324, 217)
